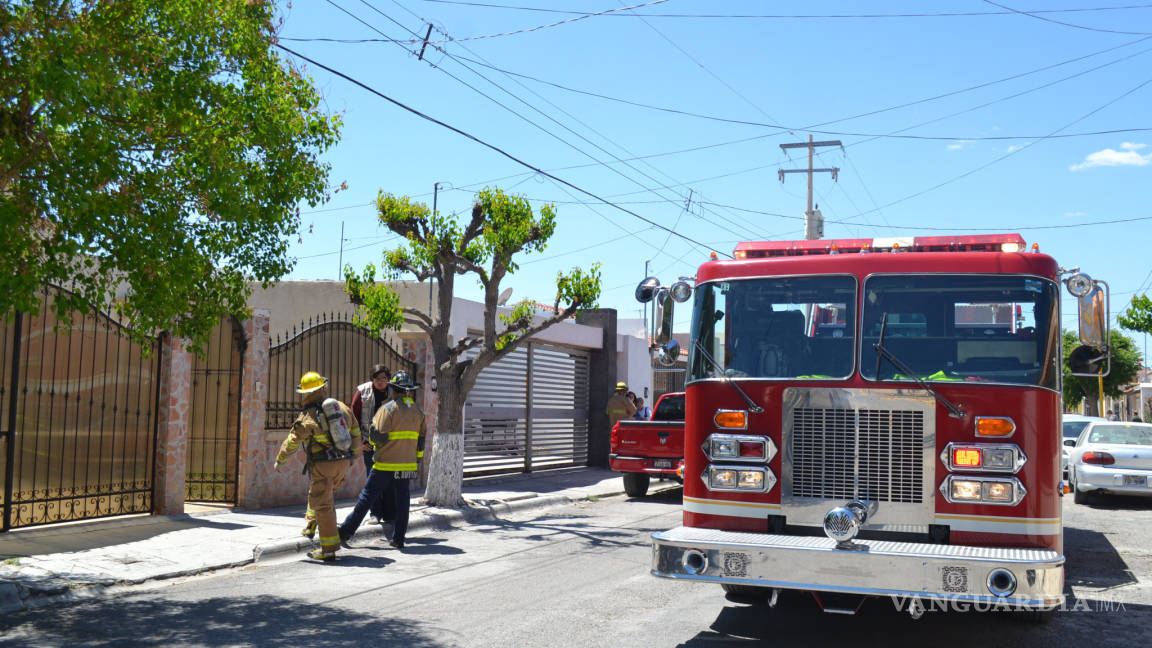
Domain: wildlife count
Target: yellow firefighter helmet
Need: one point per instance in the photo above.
(310, 382)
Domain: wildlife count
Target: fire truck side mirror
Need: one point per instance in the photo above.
(646, 291)
(1089, 361)
(1092, 306)
(665, 305)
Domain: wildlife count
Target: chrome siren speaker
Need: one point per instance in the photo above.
(842, 523)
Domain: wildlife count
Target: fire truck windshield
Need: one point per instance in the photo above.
(972, 328)
(780, 327)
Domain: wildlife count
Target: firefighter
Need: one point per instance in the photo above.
(330, 435)
(397, 433)
(619, 406)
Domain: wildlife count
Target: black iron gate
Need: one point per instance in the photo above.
(338, 349)
(214, 426)
(78, 403)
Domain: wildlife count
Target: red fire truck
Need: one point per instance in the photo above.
(855, 427)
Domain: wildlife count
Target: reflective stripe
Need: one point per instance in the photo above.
(310, 512)
(408, 400)
(322, 438)
(403, 434)
(419, 454)
(292, 445)
(330, 540)
(393, 466)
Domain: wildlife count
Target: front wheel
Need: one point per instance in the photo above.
(636, 484)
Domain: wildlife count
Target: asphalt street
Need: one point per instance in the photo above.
(575, 575)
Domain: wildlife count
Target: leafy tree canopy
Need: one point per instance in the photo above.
(1138, 315)
(1125, 364)
(152, 155)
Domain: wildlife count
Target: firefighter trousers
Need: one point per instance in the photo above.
(327, 476)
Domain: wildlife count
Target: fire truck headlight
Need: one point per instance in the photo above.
(1006, 491)
(965, 490)
(997, 492)
(1000, 459)
(751, 479)
(724, 448)
(722, 478)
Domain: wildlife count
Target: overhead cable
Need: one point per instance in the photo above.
(492, 147)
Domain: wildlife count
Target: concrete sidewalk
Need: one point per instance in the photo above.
(69, 562)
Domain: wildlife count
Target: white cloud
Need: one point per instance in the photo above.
(1111, 157)
(957, 146)
(1013, 148)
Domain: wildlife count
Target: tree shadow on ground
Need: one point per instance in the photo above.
(51, 539)
(265, 621)
(798, 621)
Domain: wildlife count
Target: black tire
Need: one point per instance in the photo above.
(1081, 497)
(636, 484)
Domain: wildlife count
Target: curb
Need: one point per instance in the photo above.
(15, 596)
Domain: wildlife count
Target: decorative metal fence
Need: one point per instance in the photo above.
(528, 411)
(666, 380)
(78, 403)
(214, 421)
(333, 346)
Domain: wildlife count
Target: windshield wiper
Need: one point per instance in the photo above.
(752, 406)
(884, 354)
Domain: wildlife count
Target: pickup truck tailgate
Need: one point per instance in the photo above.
(649, 439)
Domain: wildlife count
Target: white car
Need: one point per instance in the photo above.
(1073, 425)
(1112, 457)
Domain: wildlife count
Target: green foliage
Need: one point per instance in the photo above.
(439, 246)
(1138, 315)
(1125, 364)
(378, 305)
(152, 156)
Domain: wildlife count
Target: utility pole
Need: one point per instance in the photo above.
(813, 220)
(340, 263)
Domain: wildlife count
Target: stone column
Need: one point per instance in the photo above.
(173, 419)
(601, 382)
(252, 471)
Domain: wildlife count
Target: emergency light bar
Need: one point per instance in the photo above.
(971, 243)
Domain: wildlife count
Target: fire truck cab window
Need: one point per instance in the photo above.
(970, 328)
(794, 327)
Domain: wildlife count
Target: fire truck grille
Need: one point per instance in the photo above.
(867, 454)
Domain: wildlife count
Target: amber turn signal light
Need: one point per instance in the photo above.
(731, 419)
(994, 426)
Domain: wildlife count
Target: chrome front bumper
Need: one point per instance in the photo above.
(877, 568)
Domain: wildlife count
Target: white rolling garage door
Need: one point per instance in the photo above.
(528, 411)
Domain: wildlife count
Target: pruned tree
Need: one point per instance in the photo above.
(438, 248)
(152, 156)
(1138, 315)
(1125, 364)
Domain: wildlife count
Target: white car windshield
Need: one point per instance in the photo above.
(1121, 434)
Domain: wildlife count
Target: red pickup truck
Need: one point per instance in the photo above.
(642, 448)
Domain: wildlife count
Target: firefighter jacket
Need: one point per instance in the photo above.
(398, 435)
(619, 407)
(307, 433)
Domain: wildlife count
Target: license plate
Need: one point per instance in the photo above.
(1136, 480)
(661, 463)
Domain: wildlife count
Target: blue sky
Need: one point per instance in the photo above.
(965, 117)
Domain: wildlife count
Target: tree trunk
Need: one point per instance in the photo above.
(446, 471)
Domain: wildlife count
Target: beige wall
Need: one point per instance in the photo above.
(292, 302)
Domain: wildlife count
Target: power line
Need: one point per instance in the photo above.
(951, 14)
(555, 24)
(549, 117)
(1066, 24)
(997, 228)
(492, 147)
